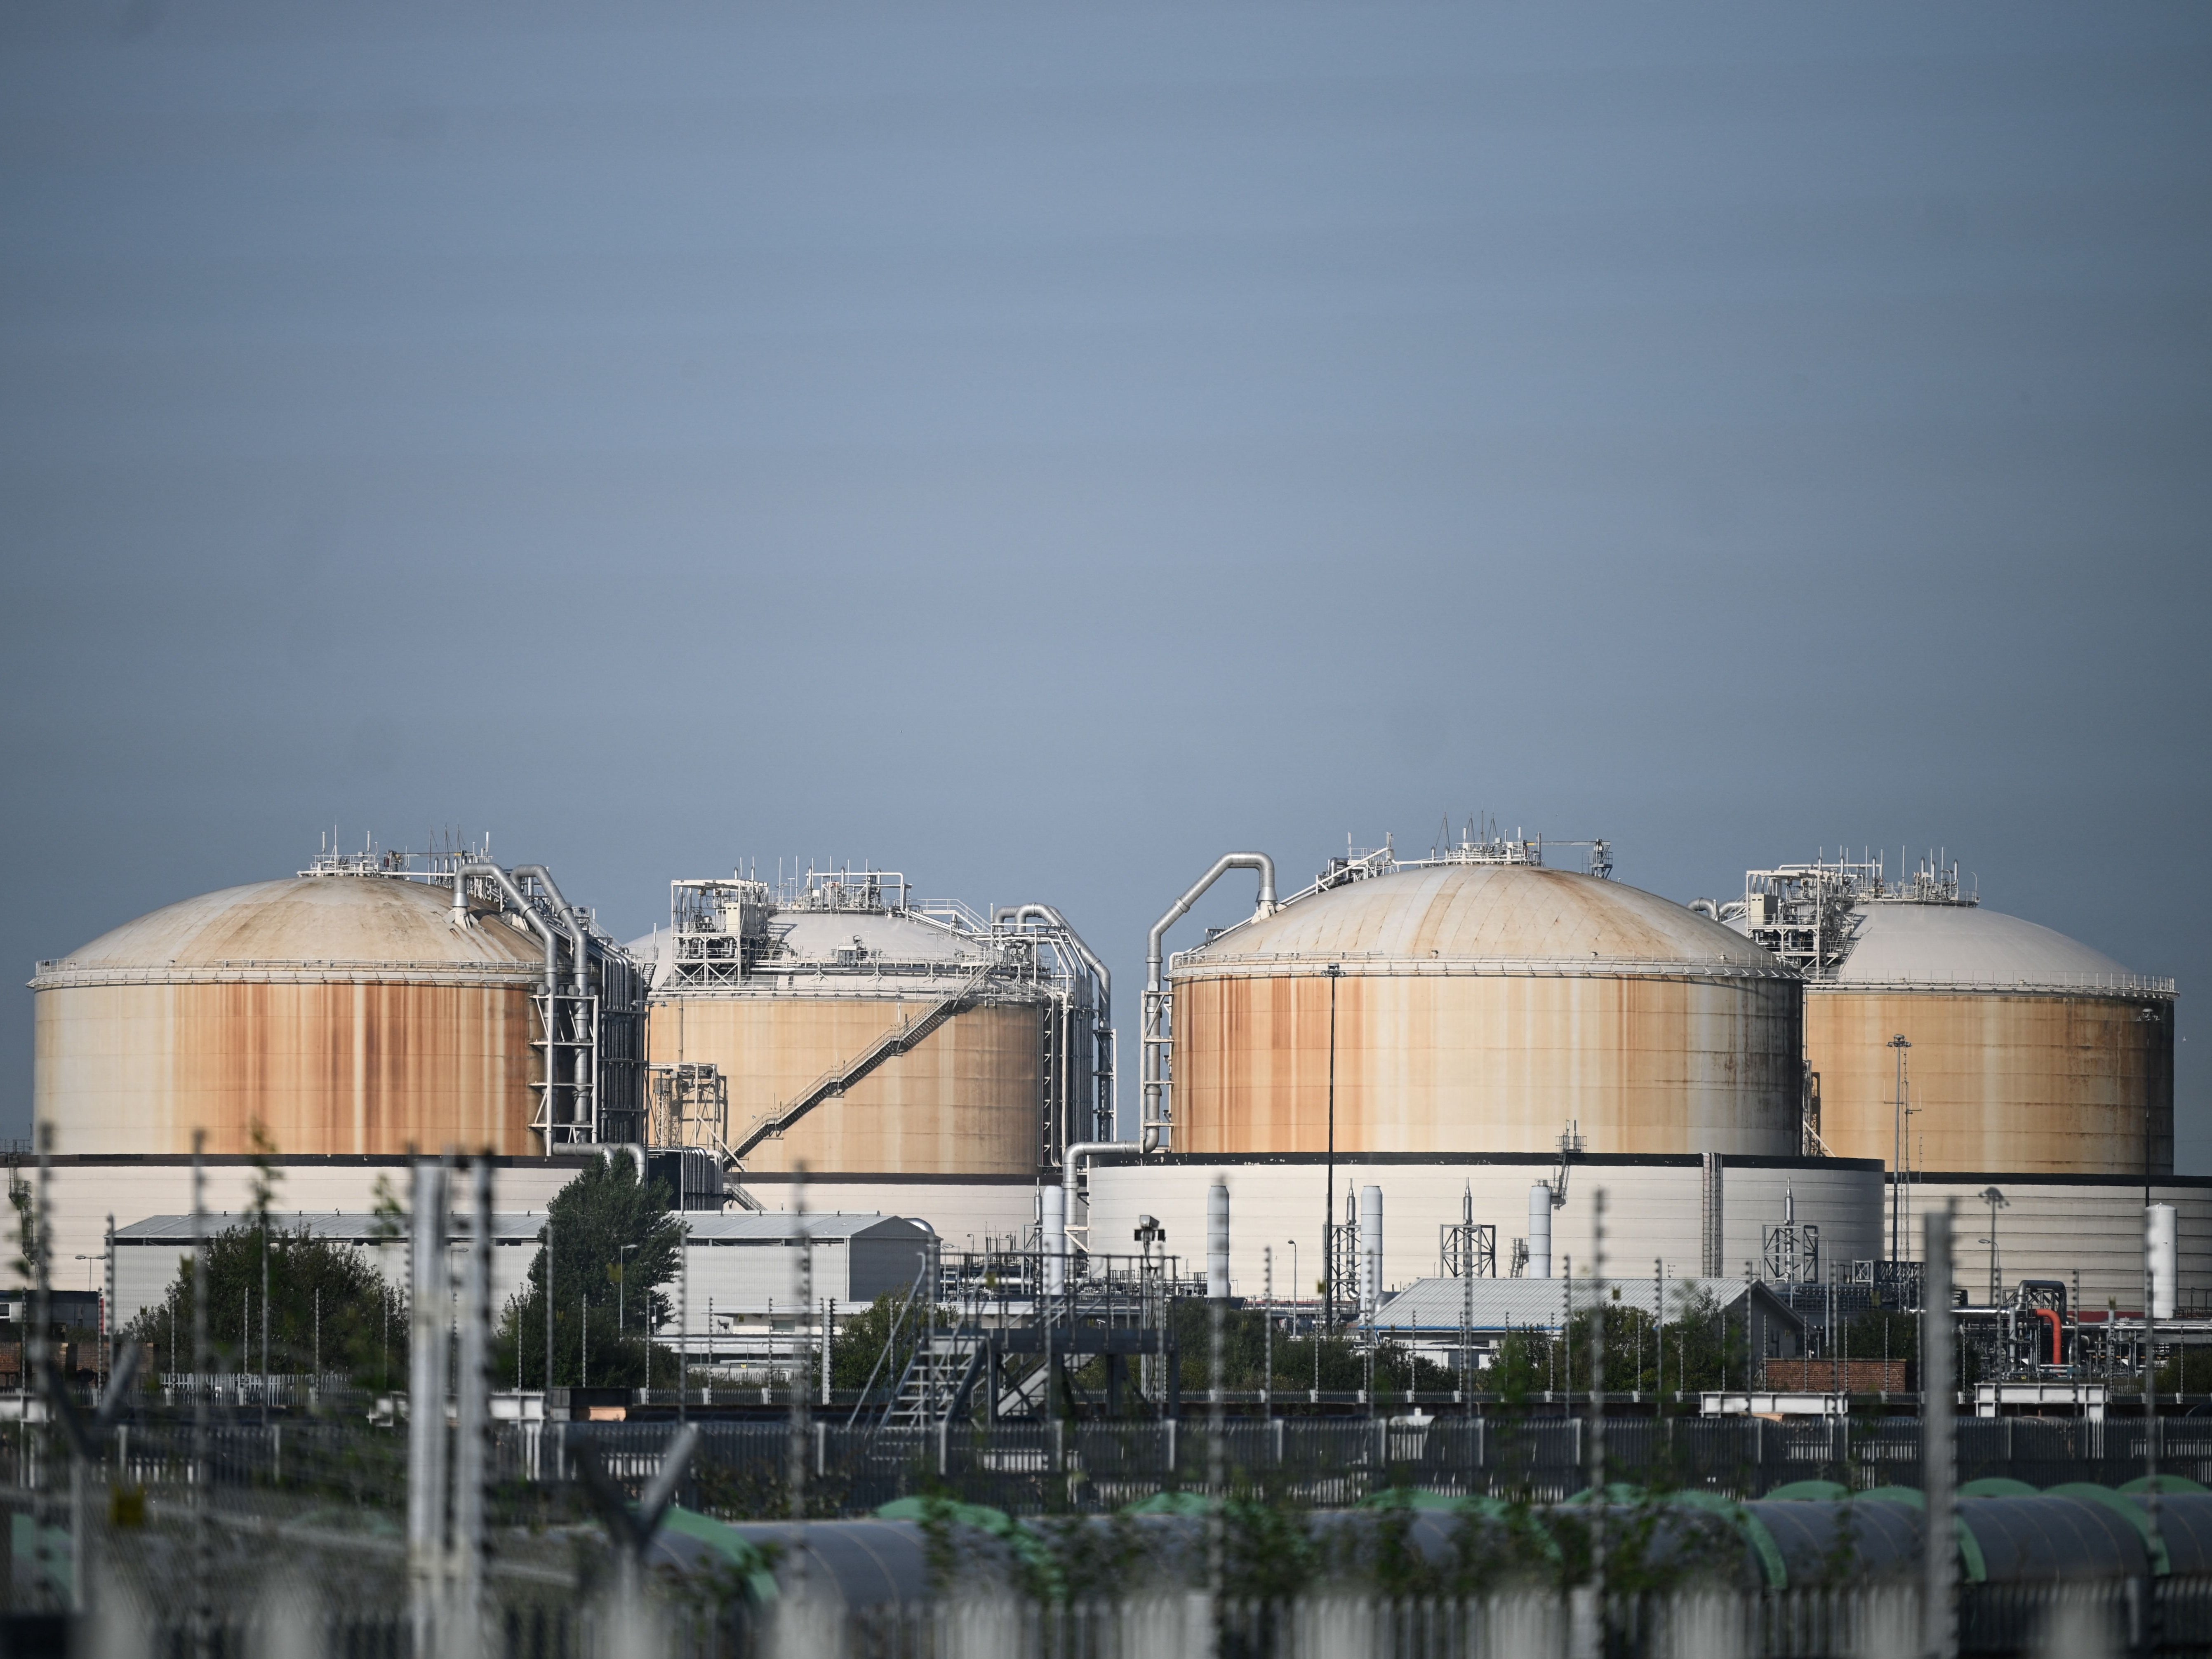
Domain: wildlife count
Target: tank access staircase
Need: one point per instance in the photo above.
(898, 1040)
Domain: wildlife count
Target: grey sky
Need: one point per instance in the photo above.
(1040, 449)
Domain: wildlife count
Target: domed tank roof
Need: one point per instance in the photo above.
(305, 927)
(1963, 944)
(1481, 918)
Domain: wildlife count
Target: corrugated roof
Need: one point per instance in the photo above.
(1500, 1304)
(364, 1227)
(1967, 945)
(1481, 918)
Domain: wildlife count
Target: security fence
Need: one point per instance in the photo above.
(760, 1467)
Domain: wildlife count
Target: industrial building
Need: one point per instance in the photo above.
(1944, 1036)
(1476, 1001)
(907, 1056)
(1412, 1068)
(369, 1005)
(331, 1024)
(1971, 1052)
(1417, 1061)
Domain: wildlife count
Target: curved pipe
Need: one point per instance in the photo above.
(1019, 913)
(1705, 907)
(577, 959)
(1154, 1042)
(1070, 1176)
(492, 873)
(1102, 1016)
(2052, 1314)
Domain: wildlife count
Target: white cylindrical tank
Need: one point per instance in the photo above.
(855, 1032)
(1540, 1231)
(1217, 1240)
(1370, 1249)
(1455, 1007)
(2161, 1245)
(1052, 1239)
(339, 1014)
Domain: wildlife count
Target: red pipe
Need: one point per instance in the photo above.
(2052, 1314)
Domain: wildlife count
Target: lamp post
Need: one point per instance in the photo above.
(1897, 1045)
(1329, 1179)
(1997, 1200)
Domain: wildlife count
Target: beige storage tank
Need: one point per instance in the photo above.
(2021, 1050)
(1477, 1002)
(2030, 1051)
(864, 1035)
(345, 1013)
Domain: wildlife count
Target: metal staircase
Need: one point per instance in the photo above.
(897, 1041)
(938, 1378)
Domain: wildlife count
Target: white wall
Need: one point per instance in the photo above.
(1651, 1211)
(2053, 1230)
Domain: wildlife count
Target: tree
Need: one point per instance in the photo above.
(322, 1294)
(877, 1341)
(614, 1245)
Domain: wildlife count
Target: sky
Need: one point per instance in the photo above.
(1041, 448)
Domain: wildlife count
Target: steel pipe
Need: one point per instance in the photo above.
(492, 873)
(578, 959)
(1102, 1016)
(1154, 1121)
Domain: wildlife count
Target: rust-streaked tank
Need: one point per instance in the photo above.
(861, 1034)
(2030, 1051)
(345, 1014)
(1479, 1007)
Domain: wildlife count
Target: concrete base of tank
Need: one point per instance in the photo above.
(962, 1211)
(86, 1191)
(2056, 1226)
(1655, 1213)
